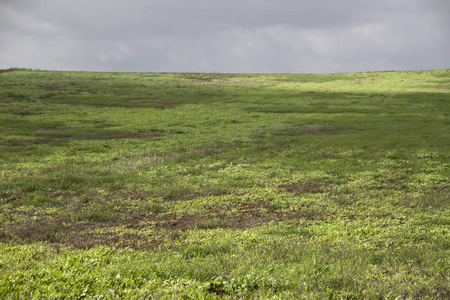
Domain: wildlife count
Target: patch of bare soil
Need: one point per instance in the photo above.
(58, 86)
(303, 187)
(7, 70)
(320, 130)
(241, 82)
(113, 136)
(131, 228)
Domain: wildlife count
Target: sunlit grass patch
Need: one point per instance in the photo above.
(201, 186)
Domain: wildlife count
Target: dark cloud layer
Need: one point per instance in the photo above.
(294, 36)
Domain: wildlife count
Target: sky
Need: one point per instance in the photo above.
(232, 36)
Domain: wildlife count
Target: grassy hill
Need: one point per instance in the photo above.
(206, 186)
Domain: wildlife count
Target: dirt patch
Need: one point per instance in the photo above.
(45, 138)
(239, 83)
(306, 187)
(321, 129)
(7, 70)
(111, 137)
(58, 86)
(201, 77)
(205, 79)
(139, 230)
(22, 112)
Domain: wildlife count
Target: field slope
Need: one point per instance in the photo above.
(232, 186)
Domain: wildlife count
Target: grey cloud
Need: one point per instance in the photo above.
(225, 36)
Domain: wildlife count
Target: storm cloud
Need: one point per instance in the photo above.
(250, 36)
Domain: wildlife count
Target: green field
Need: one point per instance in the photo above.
(230, 186)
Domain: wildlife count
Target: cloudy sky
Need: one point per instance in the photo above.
(232, 36)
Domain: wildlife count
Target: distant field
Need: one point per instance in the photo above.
(230, 186)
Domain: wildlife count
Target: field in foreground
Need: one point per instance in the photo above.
(205, 186)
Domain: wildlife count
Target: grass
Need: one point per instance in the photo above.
(231, 186)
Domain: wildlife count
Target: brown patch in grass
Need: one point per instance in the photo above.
(47, 138)
(22, 112)
(153, 102)
(7, 70)
(391, 184)
(241, 82)
(58, 86)
(304, 187)
(111, 137)
(132, 228)
(198, 77)
(205, 78)
(321, 129)
(136, 227)
(352, 217)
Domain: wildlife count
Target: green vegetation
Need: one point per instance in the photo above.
(206, 186)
